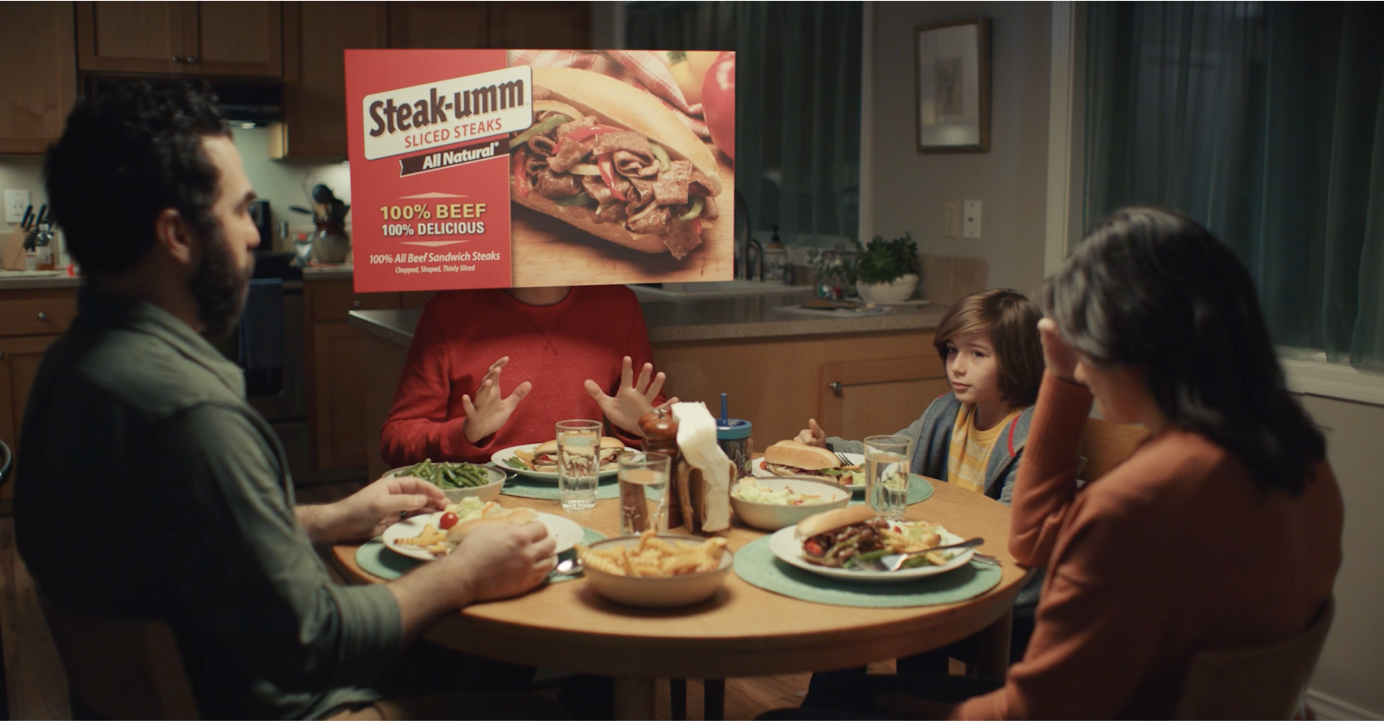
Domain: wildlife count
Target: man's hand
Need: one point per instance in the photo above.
(367, 512)
(1059, 357)
(812, 435)
(632, 399)
(499, 561)
(491, 410)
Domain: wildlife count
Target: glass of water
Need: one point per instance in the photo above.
(643, 493)
(886, 474)
(578, 464)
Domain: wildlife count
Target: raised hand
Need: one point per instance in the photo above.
(1057, 355)
(812, 435)
(633, 399)
(491, 410)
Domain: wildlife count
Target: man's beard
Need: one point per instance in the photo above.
(219, 287)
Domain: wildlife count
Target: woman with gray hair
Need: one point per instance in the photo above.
(1223, 530)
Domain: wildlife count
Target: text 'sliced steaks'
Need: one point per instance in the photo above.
(523, 168)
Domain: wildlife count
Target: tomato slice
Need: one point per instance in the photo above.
(447, 521)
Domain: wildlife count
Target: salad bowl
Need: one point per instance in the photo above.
(773, 503)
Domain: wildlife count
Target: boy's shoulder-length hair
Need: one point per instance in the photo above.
(1011, 321)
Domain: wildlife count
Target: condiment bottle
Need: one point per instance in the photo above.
(775, 260)
(661, 435)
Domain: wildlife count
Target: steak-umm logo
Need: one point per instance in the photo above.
(451, 111)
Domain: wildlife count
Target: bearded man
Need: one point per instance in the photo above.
(149, 488)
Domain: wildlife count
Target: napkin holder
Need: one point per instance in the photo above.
(686, 485)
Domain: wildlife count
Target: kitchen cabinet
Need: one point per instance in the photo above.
(778, 384)
(337, 366)
(30, 320)
(181, 38)
(39, 84)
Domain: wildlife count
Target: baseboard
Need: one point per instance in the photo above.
(1334, 709)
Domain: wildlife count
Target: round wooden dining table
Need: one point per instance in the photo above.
(743, 630)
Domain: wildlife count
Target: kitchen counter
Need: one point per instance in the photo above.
(671, 321)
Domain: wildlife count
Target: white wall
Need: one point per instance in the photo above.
(1011, 179)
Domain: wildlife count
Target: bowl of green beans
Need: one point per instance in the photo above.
(457, 480)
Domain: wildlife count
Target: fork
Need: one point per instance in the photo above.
(844, 460)
(895, 561)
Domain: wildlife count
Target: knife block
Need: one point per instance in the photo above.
(13, 258)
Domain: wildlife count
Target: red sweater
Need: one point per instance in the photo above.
(556, 347)
(1173, 552)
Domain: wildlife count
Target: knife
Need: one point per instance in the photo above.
(28, 213)
(42, 213)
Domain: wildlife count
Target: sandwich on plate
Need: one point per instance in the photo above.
(543, 458)
(791, 458)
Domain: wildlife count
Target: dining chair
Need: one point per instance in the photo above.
(1105, 445)
(1261, 682)
(120, 668)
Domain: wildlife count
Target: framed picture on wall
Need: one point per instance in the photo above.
(953, 85)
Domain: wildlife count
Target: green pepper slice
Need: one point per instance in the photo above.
(542, 128)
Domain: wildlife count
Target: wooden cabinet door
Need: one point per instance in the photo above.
(19, 361)
(315, 34)
(873, 397)
(39, 84)
(339, 377)
(131, 37)
(426, 25)
(559, 25)
(239, 38)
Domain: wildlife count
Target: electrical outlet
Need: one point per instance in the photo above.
(970, 219)
(16, 202)
(951, 225)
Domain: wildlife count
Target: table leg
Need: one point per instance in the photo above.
(713, 699)
(992, 647)
(677, 698)
(634, 698)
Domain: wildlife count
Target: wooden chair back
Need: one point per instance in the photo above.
(121, 668)
(1105, 445)
(1264, 682)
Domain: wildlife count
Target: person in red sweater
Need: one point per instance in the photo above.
(494, 368)
(1223, 530)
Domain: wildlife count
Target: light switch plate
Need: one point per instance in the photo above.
(16, 201)
(951, 224)
(970, 219)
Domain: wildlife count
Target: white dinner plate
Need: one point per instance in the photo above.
(499, 458)
(564, 530)
(855, 459)
(790, 551)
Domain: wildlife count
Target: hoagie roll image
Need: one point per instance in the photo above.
(609, 162)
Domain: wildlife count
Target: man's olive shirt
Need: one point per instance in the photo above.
(148, 487)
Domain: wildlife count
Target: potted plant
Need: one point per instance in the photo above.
(886, 270)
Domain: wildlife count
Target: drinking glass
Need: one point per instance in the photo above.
(643, 492)
(578, 469)
(886, 474)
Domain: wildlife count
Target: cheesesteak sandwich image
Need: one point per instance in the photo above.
(611, 160)
(791, 458)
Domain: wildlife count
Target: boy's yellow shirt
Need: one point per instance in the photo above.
(969, 455)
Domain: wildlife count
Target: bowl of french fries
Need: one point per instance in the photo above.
(457, 480)
(656, 571)
(774, 503)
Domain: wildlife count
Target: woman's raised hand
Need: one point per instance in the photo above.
(1059, 357)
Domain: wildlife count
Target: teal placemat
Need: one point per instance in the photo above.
(758, 566)
(374, 558)
(525, 487)
(919, 490)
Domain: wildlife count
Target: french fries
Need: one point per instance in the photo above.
(653, 557)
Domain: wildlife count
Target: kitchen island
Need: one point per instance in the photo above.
(857, 375)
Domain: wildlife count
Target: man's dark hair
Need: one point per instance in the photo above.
(125, 157)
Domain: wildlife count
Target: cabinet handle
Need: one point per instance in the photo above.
(192, 58)
(835, 387)
(42, 316)
(177, 58)
(355, 304)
